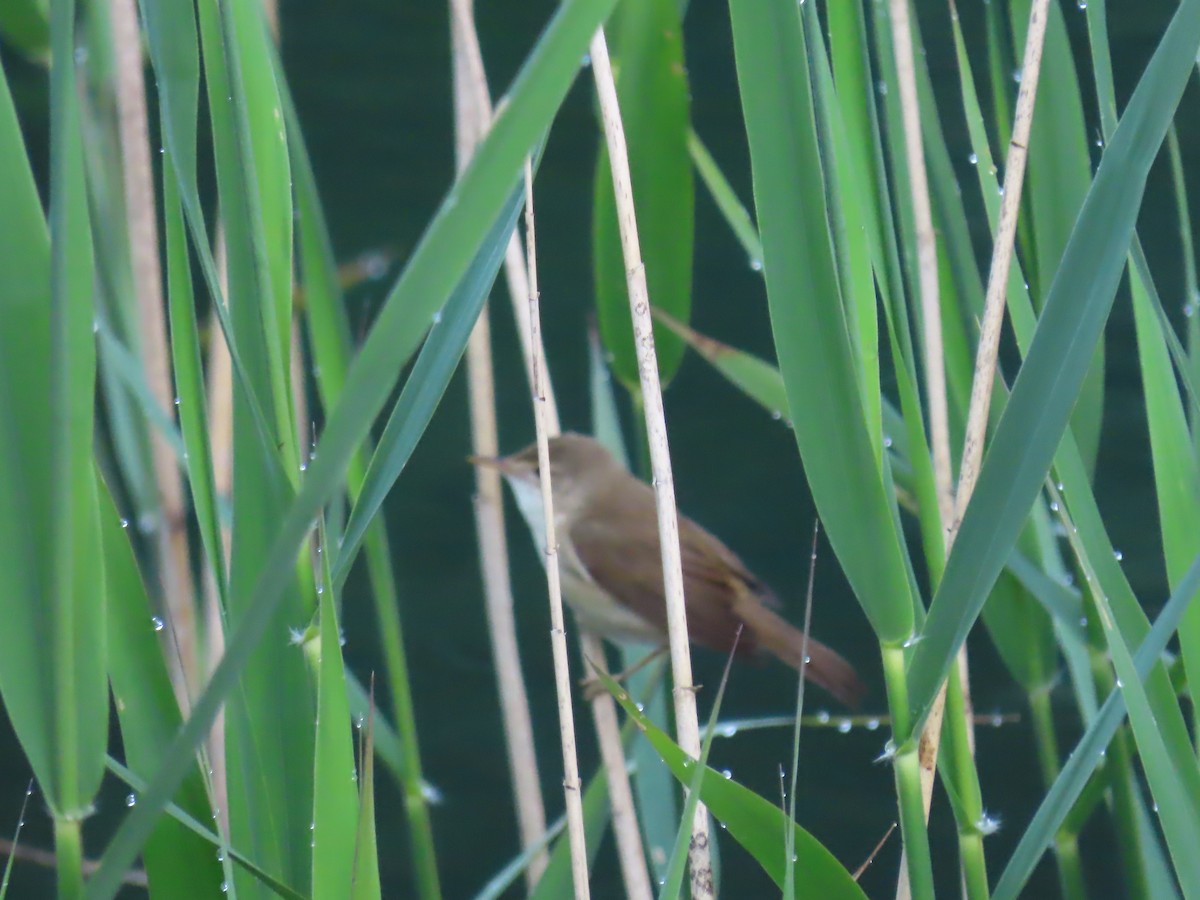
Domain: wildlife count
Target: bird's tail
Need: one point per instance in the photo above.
(825, 667)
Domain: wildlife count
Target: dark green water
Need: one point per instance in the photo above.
(371, 83)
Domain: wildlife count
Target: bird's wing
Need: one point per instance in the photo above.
(632, 550)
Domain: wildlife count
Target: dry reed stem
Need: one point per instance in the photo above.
(1002, 252)
(470, 124)
(630, 853)
(219, 370)
(935, 373)
(572, 787)
(142, 223)
(989, 339)
(686, 723)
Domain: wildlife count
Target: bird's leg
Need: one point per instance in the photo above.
(592, 687)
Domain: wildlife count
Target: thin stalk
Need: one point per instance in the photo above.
(68, 845)
(959, 765)
(935, 378)
(1118, 762)
(1002, 253)
(789, 878)
(470, 125)
(1191, 294)
(220, 436)
(931, 317)
(630, 853)
(907, 770)
(572, 787)
(686, 722)
(1066, 845)
(178, 595)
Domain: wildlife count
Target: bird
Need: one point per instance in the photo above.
(610, 564)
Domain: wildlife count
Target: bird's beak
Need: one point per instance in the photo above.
(491, 462)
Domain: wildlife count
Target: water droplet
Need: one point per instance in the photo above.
(823, 717)
(224, 887)
(887, 441)
(882, 88)
(130, 800)
(1082, 4)
(437, 317)
(756, 264)
(1118, 555)
(124, 523)
(1054, 506)
(997, 720)
(872, 724)
(586, 61)
(176, 401)
(1189, 310)
(220, 855)
(157, 622)
(973, 159)
(776, 415)
(844, 726)
(988, 824)
(1018, 74)
(727, 773)
(727, 730)
(374, 265)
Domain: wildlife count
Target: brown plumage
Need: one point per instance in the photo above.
(608, 545)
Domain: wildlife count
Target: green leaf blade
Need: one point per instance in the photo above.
(807, 316)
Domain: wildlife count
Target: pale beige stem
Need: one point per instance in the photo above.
(1002, 252)
(572, 787)
(935, 373)
(219, 370)
(470, 123)
(993, 311)
(989, 339)
(171, 528)
(630, 854)
(686, 724)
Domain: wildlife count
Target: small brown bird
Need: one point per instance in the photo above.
(611, 565)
